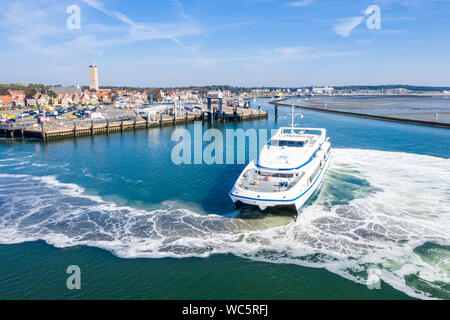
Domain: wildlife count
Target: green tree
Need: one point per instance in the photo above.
(114, 95)
(52, 94)
(155, 94)
(30, 92)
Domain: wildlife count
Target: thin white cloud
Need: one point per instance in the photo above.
(115, 14)
(292, 54)
(290, 51)
(180, 10)
(204, 62)
(137, 27)
(346, 26)
(41, 33)
(302, 3)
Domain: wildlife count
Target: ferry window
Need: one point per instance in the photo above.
(292, 144)
(298, 144)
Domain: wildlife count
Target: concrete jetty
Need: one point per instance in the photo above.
(437, 124)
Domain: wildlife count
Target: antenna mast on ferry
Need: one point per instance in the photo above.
(292, 119)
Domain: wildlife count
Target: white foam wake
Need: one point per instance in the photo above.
(376, 209)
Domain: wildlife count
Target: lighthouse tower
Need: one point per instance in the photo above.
(93, 77)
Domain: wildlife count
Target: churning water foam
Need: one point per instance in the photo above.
(376, 209)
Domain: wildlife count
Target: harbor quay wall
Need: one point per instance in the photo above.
(73, 129)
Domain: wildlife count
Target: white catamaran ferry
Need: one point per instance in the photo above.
(289, 171)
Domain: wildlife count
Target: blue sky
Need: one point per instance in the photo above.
(247, 42)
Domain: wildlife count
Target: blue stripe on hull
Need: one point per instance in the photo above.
(314, 193)
(307, 162)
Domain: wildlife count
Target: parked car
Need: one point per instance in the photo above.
(97, 116)
(22, 115)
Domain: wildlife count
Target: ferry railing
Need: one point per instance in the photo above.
(257, 182)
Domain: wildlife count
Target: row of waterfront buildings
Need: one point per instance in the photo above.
(68, 96)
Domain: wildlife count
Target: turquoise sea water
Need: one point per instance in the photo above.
(142, 227)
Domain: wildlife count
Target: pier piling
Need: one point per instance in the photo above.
(43, 131)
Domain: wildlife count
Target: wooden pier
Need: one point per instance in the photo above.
(78, 128)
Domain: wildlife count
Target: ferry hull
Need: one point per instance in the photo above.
(299, 202)
(303, 201)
